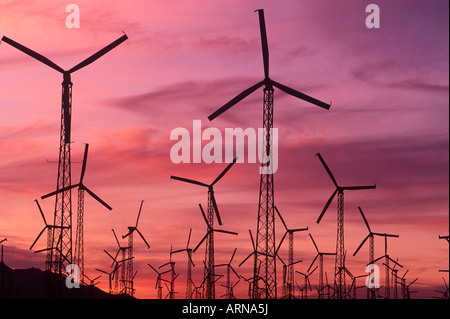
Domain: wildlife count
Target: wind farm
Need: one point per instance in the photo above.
(239, 230)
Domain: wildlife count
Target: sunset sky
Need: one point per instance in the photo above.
(388, 124)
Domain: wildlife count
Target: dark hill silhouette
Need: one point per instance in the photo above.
(30, 284)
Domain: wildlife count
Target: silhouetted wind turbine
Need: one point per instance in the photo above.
(387, 258)
(370, 236)
(320, 256)
(62, 236)
(46, 227)
(123, 250)
(190, 263)
(79, 238)
(265, 237)
(129, 283)
(209, 255)
(445, 293)
(174, 275)
(290, 268)
(288, 287)
(158, 281)
(229, 287)
(110, 279)
(339, 276)
(307, 282)
(212, 210)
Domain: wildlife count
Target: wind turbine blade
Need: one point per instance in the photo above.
(97, 198)
(190, 258)
(216, 209)
(232, 256)
(301, 95)
(33, 54)
(386, 235)
(148, 246)
(365, 220)
(40, 210)
(187, 180)
(225, 232)
(83, 168)
(224, 171)
(153, 268)
(265, 47)
(59, 191)
(378, 258)
(118, 244)
(326, 206)
(99, 54)
(139, 213)
(413, 282)
(102, 271)
(360, 245)
(360, 187)
(235, 100)
(109, 255)
(246, 259)
(237, 275)
(253, 242)
(189, 238)
(327, 169)
(282, 220)
(317, 249)
(37, 238)
(203, 214)
(298, 229)
(281, 241)
(201, 242)
(309, 274)
(312, 263)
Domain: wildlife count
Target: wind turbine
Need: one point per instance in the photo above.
(370, 236)
(78, 257)
(288, 287)
(387, 258)
(445, 293)
(254, 283)
(339, 276)
(320, 256)
(190, 263)
(209, 272)
(158, 281)
(265, 237)
(129, 283)
(174, 275)
(290, 265)
(307, 282)
(46, 227)
(212, 209)
(123, 250)
(229, 287)
(62, 235)
(110, 275)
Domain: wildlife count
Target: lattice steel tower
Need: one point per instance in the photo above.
(340, 288)
(264, 284)
(60, 250)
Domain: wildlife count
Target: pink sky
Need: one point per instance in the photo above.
(388, 125)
